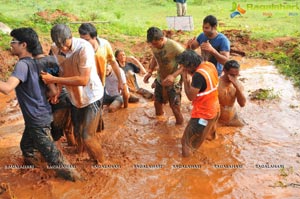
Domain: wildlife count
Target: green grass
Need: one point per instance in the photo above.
(133, 18)
(264, 94)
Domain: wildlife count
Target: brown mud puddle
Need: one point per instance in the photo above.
(144, 153)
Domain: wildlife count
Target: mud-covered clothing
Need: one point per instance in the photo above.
(130, 70)
(171, 94)
(103, 55)
(86, 100)
(220, 43)
(197, 131)
(165, 58)
(80, 56)
(61, 110)
(85, 121)
(111, 88)
(31, 93)
(39, 138)
(206, 103)
(49, 65)
(206, 108)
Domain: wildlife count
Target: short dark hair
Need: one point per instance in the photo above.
(118, 51)
(60, 33)
(189, 59)
(38, 50)
(154, 34)
(87, 29)
(27, 35)
(212, 20)
(231, 64)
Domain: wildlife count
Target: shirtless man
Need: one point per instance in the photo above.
(230, 89)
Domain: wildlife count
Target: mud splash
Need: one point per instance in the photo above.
(144, 159)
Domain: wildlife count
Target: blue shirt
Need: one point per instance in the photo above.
(220, 43)
(180, 1)
(31, 94)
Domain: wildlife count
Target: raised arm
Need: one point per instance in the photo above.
(135, 61)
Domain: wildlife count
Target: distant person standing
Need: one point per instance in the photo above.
(200, 85)
(230, 90)
(78, 73)
(215, 46)
(181, 7)
(165, 50)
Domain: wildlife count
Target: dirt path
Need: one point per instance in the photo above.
(144, 153)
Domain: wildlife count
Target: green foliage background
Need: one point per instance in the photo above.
(133, 18)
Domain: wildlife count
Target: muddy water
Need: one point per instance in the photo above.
(144, 152)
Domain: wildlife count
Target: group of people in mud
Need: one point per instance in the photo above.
(81, 74)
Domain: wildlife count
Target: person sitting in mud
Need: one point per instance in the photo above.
(36, 110)
(230, 90)
(200, 85)
(112, 96)
(132, 66)
(61, 124)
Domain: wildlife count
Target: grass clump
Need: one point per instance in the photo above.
(264, 94)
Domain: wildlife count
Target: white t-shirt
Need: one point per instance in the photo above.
(111, 83)
(81, 56)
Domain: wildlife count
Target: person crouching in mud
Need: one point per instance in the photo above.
(230, 90)
(200, 85)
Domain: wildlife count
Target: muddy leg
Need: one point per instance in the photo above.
(177, 113)
(69, 131)
(90, 124)
(158, 108)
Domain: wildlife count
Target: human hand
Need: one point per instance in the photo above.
(47, 78)
(206, 46)
(54, 99)
(168, 81)
(233, 79)
(190, 42)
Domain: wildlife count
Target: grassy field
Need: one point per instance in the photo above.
(264, 19)
(133, 18)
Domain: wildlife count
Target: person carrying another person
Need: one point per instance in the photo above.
(132, 66)
(61, 124)
(181, 7)
(200, 85)
(36, 110)
(112, 97)
(164, 52)
(215, 46)
(231, 90)
(78, 73)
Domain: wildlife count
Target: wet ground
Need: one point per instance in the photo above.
(259, 160)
